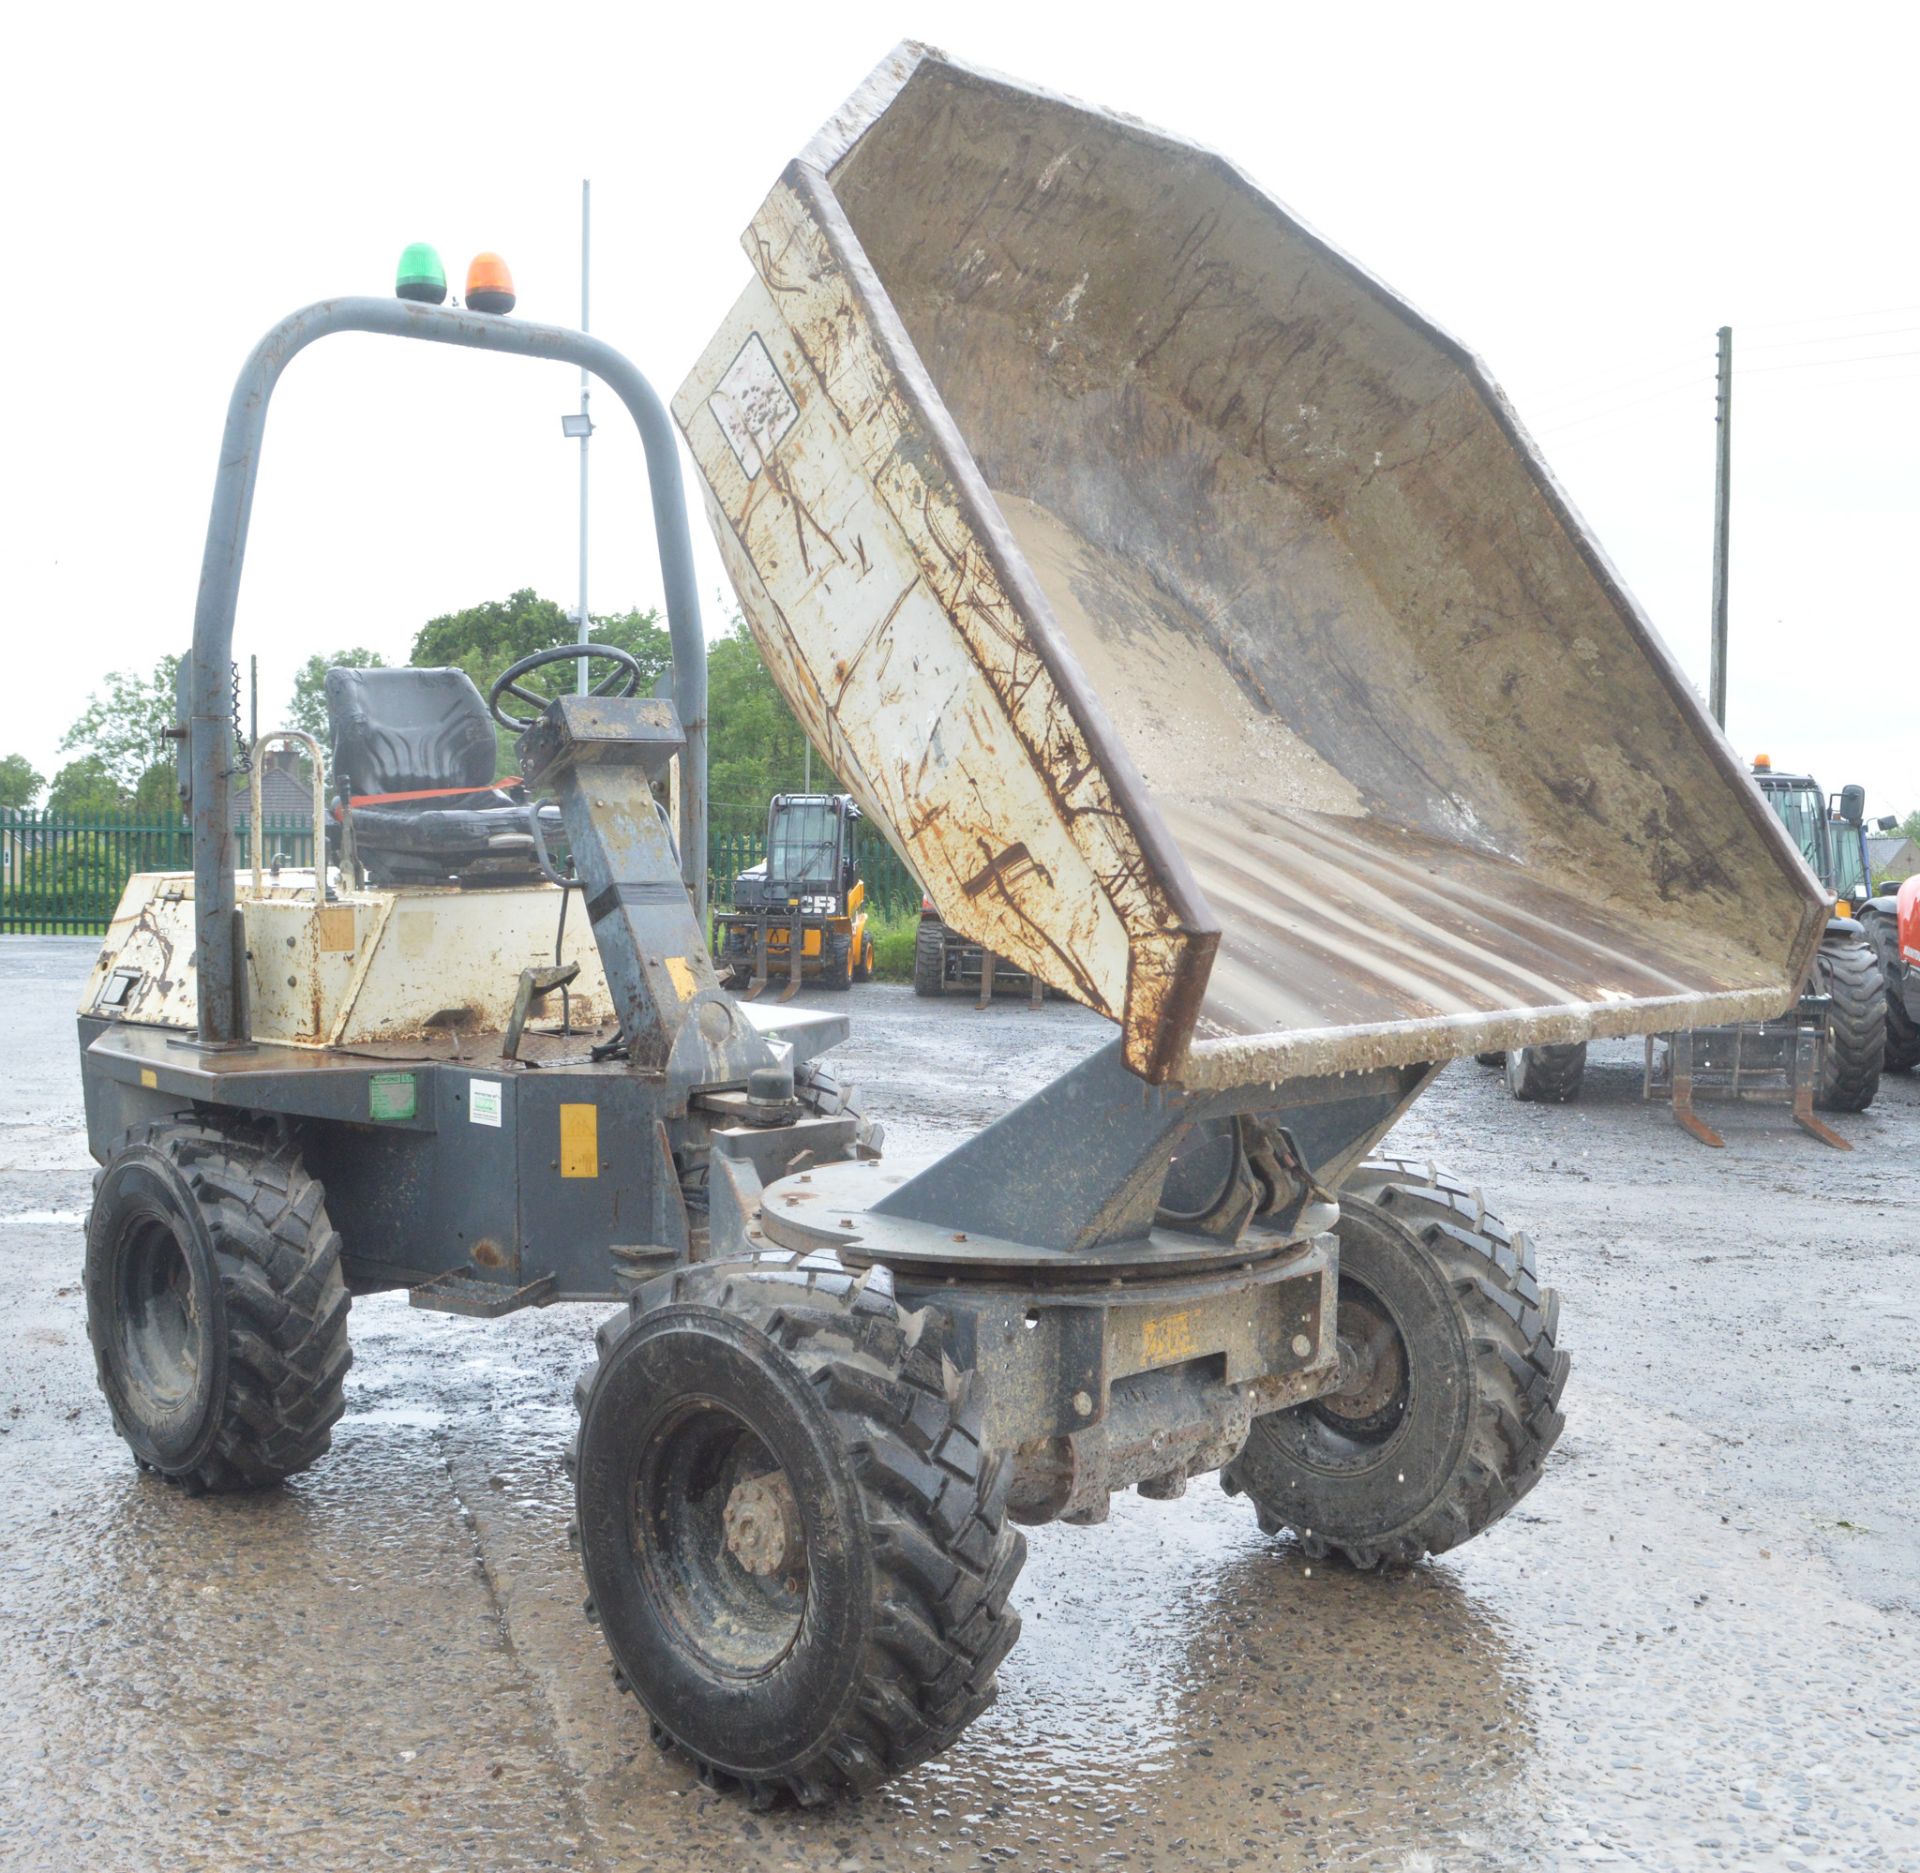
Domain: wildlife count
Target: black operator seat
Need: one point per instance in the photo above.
(413, 768)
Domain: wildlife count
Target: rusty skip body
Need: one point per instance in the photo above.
(1195, 616)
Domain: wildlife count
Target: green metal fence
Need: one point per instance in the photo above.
(64, 876)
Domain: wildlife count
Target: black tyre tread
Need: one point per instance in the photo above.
(836, 964)
(1903, 1032)
(278, 1260)
(934, 1501)
(1519, 1373)
(929, 960)
(1903, 1037)
(1854, 1047)
(1550, 1075)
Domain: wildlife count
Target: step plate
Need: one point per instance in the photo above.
(463, 1292)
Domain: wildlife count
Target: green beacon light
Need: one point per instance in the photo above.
(421, 276)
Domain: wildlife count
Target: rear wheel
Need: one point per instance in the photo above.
(1903, 1032)
(1903, 1037)
(1551, 1075)
(930, 960)
(1450, 1381)
(795, 1542)
(1853, 1048)
(215, 1305)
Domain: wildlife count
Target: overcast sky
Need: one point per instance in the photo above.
(1582, 193)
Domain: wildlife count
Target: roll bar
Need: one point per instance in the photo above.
(218, 945)
(255, 801)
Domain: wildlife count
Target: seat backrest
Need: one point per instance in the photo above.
(405, 731)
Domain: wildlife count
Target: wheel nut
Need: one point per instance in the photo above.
(762, 1524)
(1302, 1346)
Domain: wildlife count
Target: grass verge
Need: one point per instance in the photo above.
(893, 939)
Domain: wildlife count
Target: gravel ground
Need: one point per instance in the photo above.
(1695, 1645)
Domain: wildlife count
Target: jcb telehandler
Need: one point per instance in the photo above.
(803, 909)
(1196, 618)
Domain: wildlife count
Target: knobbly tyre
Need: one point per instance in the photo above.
(944, 960)
(1892, 922)
(1023, 445)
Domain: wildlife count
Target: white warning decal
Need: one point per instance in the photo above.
(753, 406)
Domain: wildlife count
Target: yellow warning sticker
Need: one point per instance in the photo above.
(579, 1141)
(335, 923)
(148, 1077)
(686, 984)
(1167, 1337)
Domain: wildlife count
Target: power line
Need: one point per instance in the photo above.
(1823, 364)
(1553, 428)
(1574, 390)
(1829, 318)
(1835, 338)
(1599, 382)
(1618, 409)
(1566, 401)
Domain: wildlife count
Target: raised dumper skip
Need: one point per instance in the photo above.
(1191, 615)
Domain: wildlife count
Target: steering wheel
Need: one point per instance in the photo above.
(508, 683)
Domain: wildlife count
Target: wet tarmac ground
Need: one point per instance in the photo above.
(1695, 1645)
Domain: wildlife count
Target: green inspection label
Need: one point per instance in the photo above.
(390, 1096)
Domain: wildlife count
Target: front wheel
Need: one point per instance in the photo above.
(863, 959)
(795, 1541)
(1450, 1381)
(1853, 1047)
(836, 962)
(215, 1305)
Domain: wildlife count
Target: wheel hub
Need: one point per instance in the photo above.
(1373, 1366)
(762, 1524)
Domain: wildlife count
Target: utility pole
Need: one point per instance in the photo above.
(1722, 496)
(586, 422)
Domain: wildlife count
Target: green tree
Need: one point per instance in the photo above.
(87, 789)
(484, 639)
(158, 795)
(122, 725)
(755, 746)
(308, 709)
(20, 786)
(1910, 826)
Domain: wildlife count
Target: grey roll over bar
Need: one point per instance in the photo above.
(216, 946)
